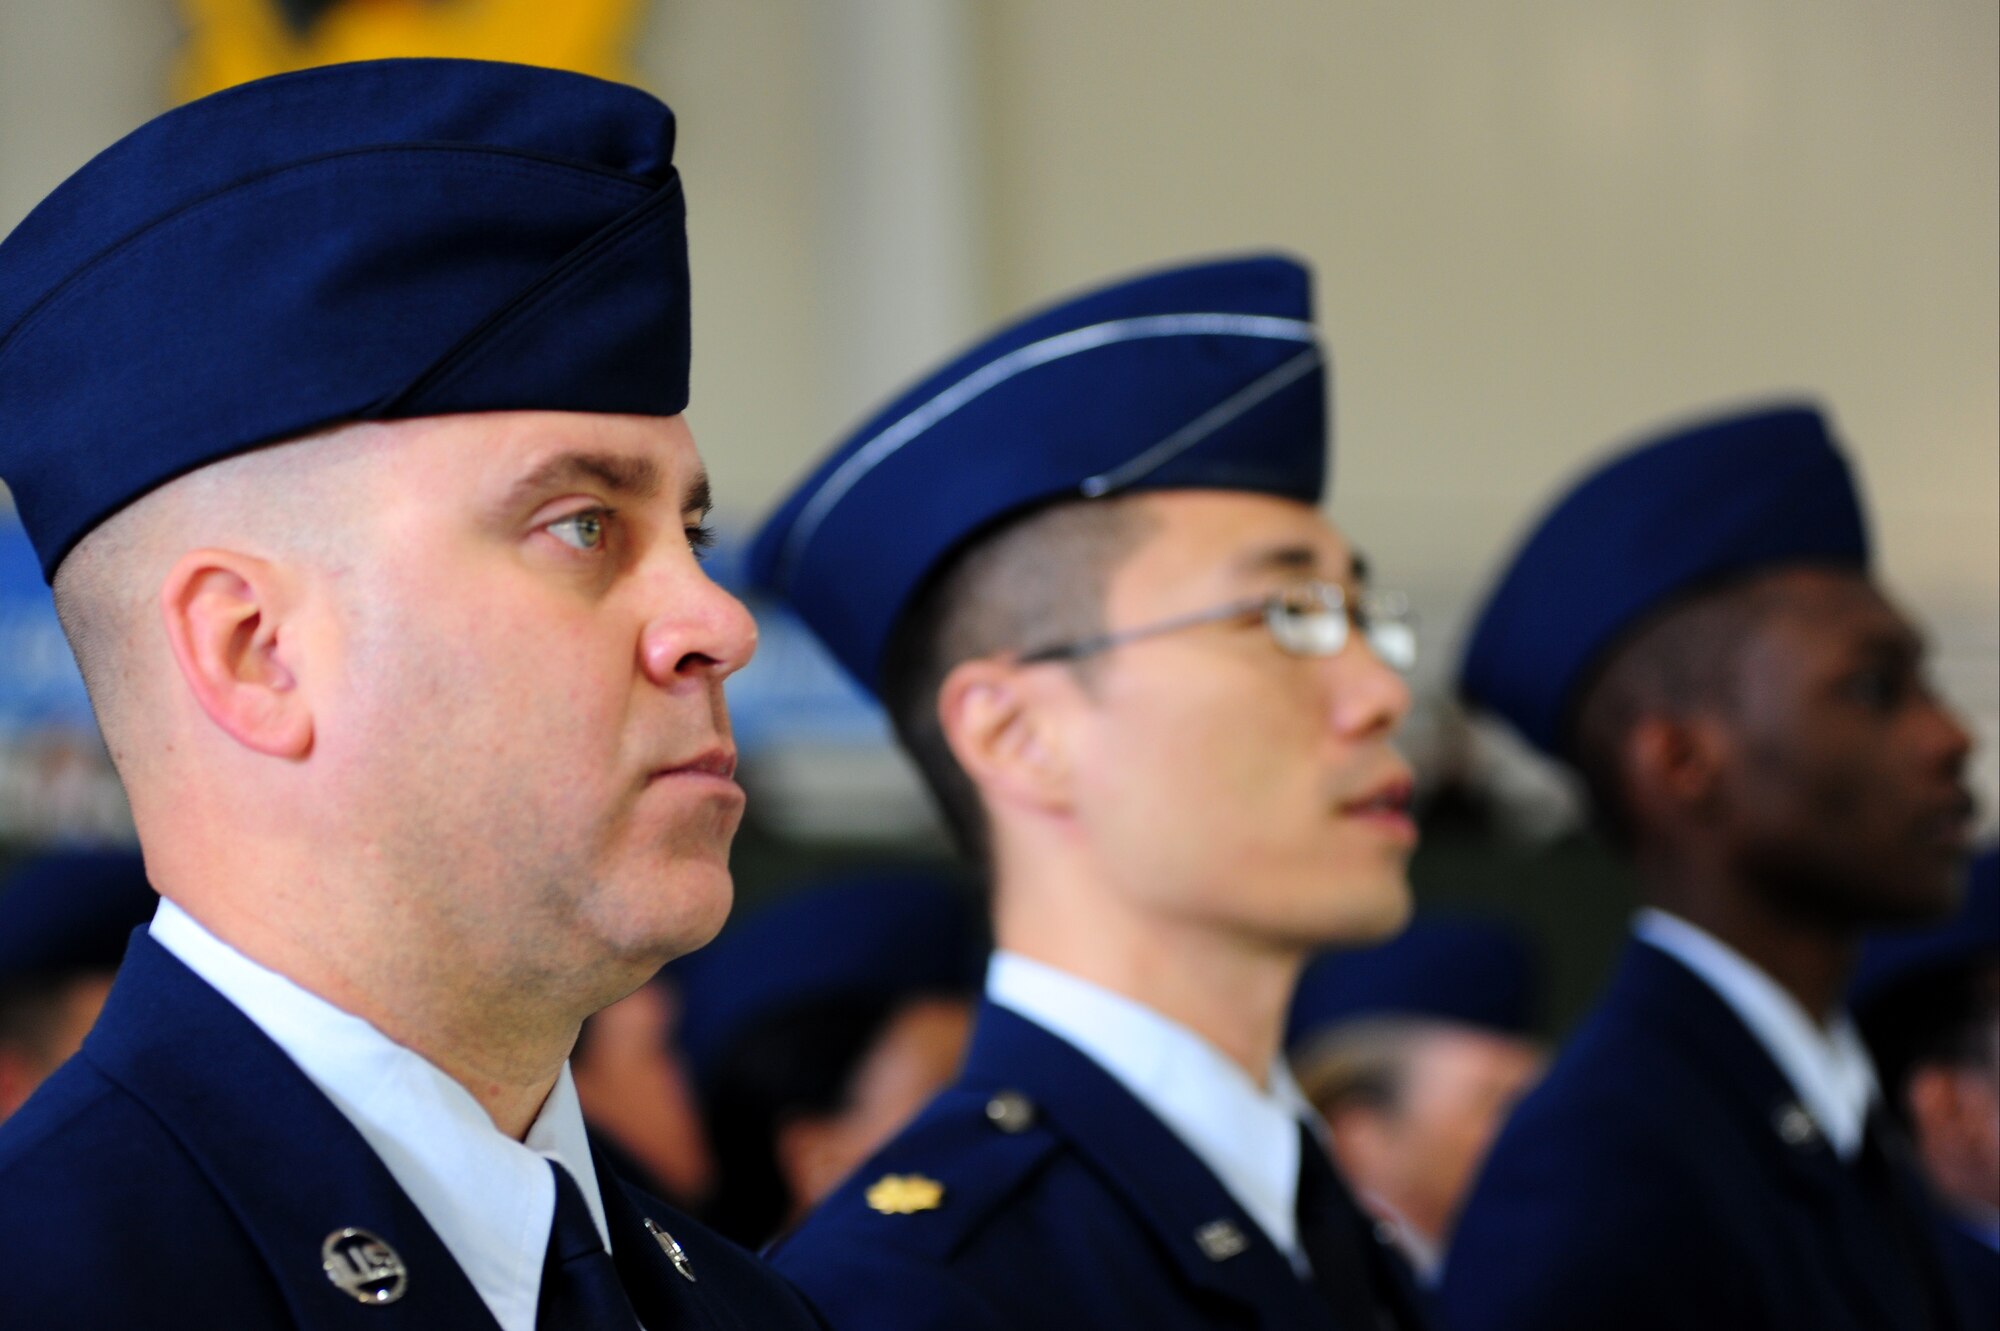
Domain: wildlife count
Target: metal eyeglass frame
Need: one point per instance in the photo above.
(1310, 618)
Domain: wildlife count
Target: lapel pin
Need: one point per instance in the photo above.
(671, 1246)
(1220, 1240)
(363, 1267)
(1011, 1112)
(905, 1194)
(1795, 1126)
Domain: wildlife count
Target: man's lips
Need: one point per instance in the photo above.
(719, 762)
(1951, 822)
(1390, 798)
(1386, 809)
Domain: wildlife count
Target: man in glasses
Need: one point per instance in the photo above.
(1694, 627)
(1148, 684)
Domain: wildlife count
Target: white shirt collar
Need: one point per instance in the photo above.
(1419, 1249)
(1248, 1138)
(1828, 1067)
(489, 1198)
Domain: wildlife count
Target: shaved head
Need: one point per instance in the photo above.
(1037, 579)
(287, 500)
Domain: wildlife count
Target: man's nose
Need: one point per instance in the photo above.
(1370, 698)
(698, 630)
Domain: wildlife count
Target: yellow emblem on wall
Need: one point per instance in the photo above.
(234, 41)
(905, 1194)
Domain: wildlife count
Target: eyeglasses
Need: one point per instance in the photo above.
(1304, 619)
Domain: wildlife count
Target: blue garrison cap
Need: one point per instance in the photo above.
(1206, 376)
(1970, 936)
(1707, 503)
(372, 241)
(71, 910)
(1464, 969)
(882, 935)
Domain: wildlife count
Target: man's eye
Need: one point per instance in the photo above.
(581, 531)
(1878, 689)
(700, 539)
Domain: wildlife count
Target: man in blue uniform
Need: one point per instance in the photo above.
(65, 917)
(1694, 628)
(343, 411)
(818, 1027)
(1084, 568)
(1928, 1003)
(1414, 1051)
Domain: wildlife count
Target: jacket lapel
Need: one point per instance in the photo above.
(1831, 1205)
(282, 1157)
(1209, 1239)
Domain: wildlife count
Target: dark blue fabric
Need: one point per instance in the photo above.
(70, 910)
(1479, 972)
(1706, 503)
(881, 935)
(1976, 1262)
(1218, 353)
(1644, 1185)
(580, 1289)
(181, 1174)
(1087, 1219)
(371, 241)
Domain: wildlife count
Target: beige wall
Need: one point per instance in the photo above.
(1538, 225)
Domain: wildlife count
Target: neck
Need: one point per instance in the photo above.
(1811, 960)
(499, 1044)
(1239, 1006)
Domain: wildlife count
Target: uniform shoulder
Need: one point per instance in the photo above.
(99, 1205)
(930, 1191)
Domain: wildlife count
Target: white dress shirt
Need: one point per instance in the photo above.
(1827, 1066)
(1248, 1138)
(490, 1198)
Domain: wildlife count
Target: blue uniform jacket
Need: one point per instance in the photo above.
(1065, 1203)
(181, 1172)
(1976, 1262)
(1663, 1176)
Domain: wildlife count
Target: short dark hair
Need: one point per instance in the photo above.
(1940, 1018)
(1682, 659)
(1032, 579)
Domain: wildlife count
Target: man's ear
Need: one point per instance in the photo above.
(1674, 764)
(1006, 734)
(225, 617)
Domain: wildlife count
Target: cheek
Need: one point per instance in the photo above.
(1207, 775)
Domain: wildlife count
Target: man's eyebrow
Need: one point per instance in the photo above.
(620, 474)
(1301, 558)
(698, 498)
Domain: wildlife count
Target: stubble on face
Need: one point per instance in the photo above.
(503, 746)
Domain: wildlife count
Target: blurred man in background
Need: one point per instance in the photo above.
(1415, 1051)
(638, 1097)
(1695, 629)
(65, 918)
(1084, 567)
(1929, 1005)
(818, 1027)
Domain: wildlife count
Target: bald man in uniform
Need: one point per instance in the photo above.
(344, 414)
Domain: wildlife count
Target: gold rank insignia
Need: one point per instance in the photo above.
(905, 1194)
